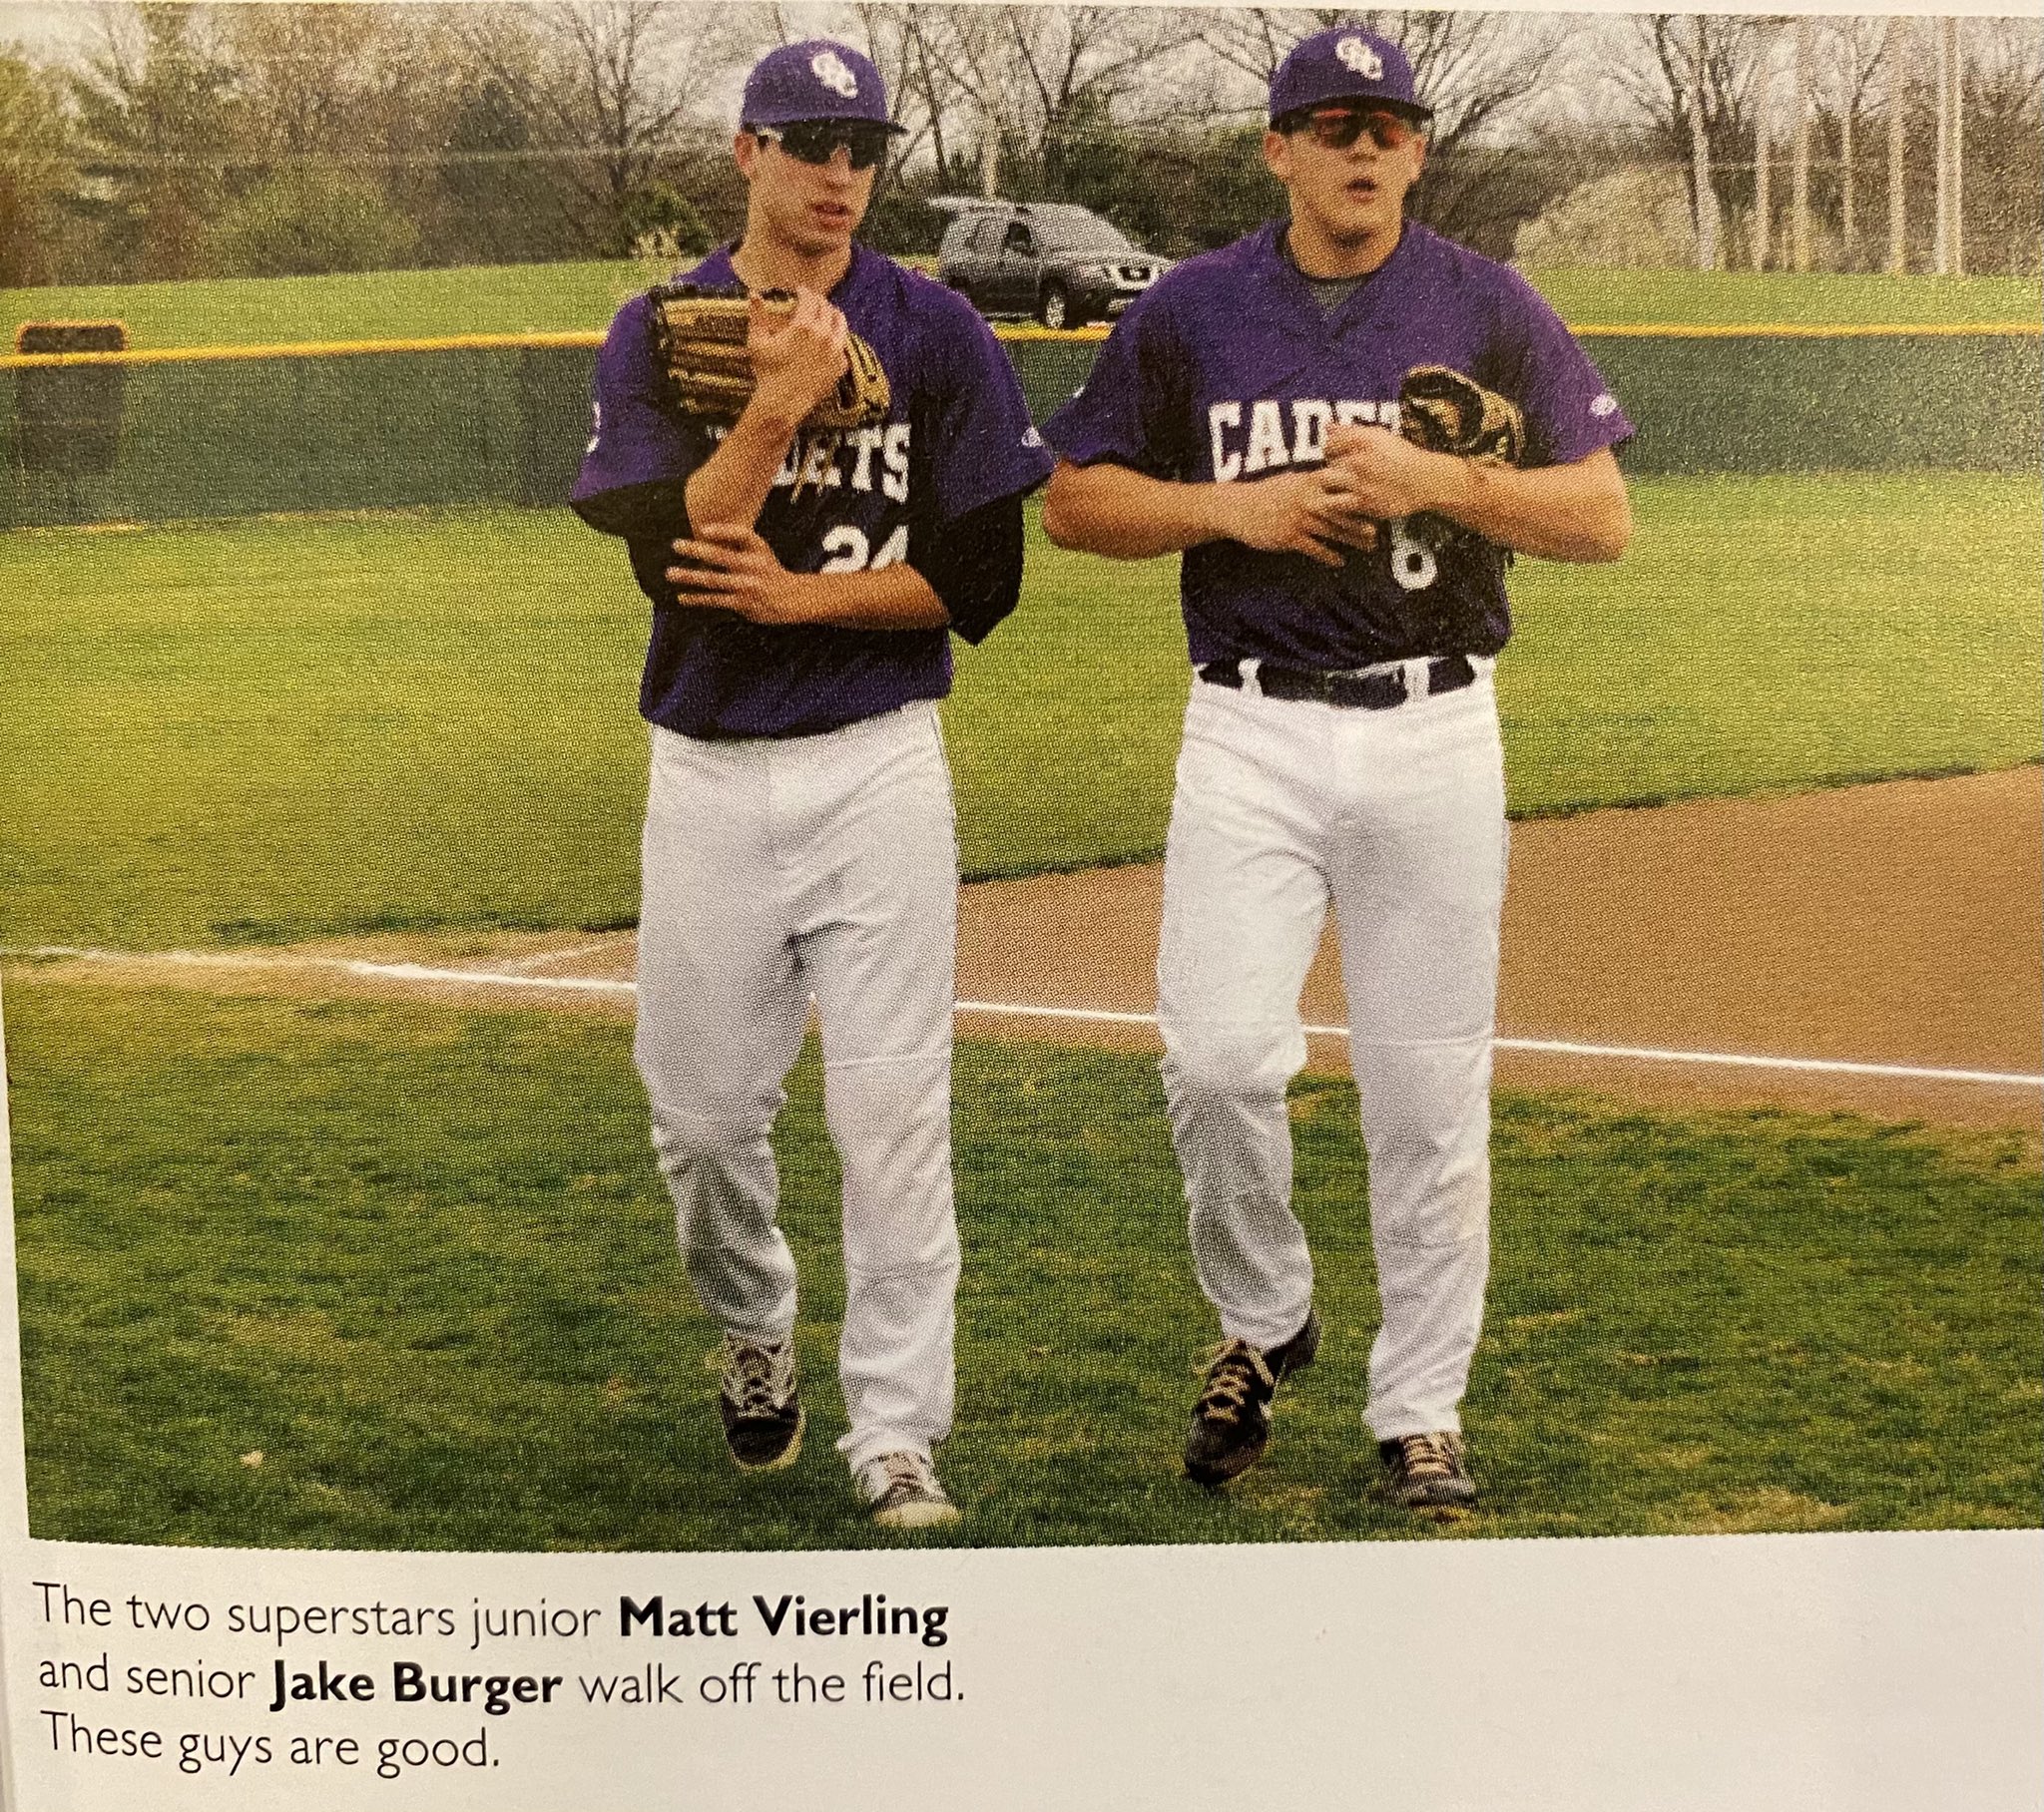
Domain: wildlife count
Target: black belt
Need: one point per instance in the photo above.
(1376, 692)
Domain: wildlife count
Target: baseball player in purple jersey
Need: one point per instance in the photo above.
(800, 841)
(1343, 599)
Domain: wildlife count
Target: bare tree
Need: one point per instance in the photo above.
(618, 81)
(1703, 197)
(2004, 108)
(1031, 76)
(1858, 49)
(1666, 68)
(920, 89)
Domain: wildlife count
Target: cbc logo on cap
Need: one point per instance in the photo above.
(1357, 55)
(828, 68)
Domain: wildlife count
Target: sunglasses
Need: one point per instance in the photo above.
(1338, 128)
(816, 140)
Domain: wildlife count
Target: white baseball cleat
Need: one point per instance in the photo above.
(904, 1492)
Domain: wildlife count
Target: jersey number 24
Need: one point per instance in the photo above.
(851, 552)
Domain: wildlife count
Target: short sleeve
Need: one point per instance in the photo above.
(1570, 410)
(981, 444)
(1131, 410)
(639, 454)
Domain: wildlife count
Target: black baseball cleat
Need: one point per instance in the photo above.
(1427, 1471)
(761, 1403)
(1232, 1420)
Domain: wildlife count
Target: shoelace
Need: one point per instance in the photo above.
(1427, 1456)
(1232, 1368)
(903, 1472)
(748, 1378)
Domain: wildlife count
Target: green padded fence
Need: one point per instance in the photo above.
(366, 431)
(283, 429)
(1882, 402)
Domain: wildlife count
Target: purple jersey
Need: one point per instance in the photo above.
(1228, 371)
(957, 437)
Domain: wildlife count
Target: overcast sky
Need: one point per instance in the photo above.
(45, 29)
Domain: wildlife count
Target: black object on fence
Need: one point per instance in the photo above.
(67, 417)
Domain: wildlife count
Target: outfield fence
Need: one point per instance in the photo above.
(154, 435)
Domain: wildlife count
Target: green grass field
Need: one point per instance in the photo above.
(418, 1260)
(265, 730)
(529, 298)
(1743, 297)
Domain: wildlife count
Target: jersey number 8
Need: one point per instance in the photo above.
(1413, 561)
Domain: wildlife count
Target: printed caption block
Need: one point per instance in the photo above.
(239, 1682)
(129, 1694)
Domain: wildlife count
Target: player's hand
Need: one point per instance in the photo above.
(1313, 512)
(725, 568)
(1387, 476)
(798, 361)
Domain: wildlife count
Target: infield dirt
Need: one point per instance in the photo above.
(1896, 924)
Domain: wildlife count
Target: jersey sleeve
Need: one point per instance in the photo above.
(980, 444)
(1570, 410)
(639, 454)
(1132, 410)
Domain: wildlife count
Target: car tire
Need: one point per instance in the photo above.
(1054, 308)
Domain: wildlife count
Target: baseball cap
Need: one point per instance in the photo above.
(814, 80)
(1346, 63)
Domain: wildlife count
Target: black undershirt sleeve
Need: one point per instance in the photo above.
(974, 565)
(658, 506)
(650, 518)
(650, 561)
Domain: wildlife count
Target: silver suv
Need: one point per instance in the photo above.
(1060, 262)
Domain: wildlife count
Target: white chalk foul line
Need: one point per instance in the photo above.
(1096, 1016)
(2005, 1079)
(337, 964)
(546, 959)
(1563, 1047)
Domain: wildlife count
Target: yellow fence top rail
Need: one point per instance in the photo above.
(186, 356)
(192, 355)
(1805, 329)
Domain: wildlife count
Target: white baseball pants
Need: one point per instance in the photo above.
(775, 871)
(1396, 817)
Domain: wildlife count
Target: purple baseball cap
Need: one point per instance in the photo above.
(1345, 64)
(814, 80)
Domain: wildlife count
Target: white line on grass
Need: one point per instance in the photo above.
(1563, 1047)
(339, 965)
(1096, 1016)
(546, 959)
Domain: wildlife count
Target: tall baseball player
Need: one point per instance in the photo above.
(799, 840)
(1343, 599)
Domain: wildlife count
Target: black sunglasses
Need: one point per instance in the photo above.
(1338, 128)
(816, 140)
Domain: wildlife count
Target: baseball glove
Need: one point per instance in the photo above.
(1444, 412)
(699, 339)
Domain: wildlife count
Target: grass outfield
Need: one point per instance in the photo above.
(526, 298)
(1745, 297)
(418, 1260)
(374, 304)
(274, 728)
